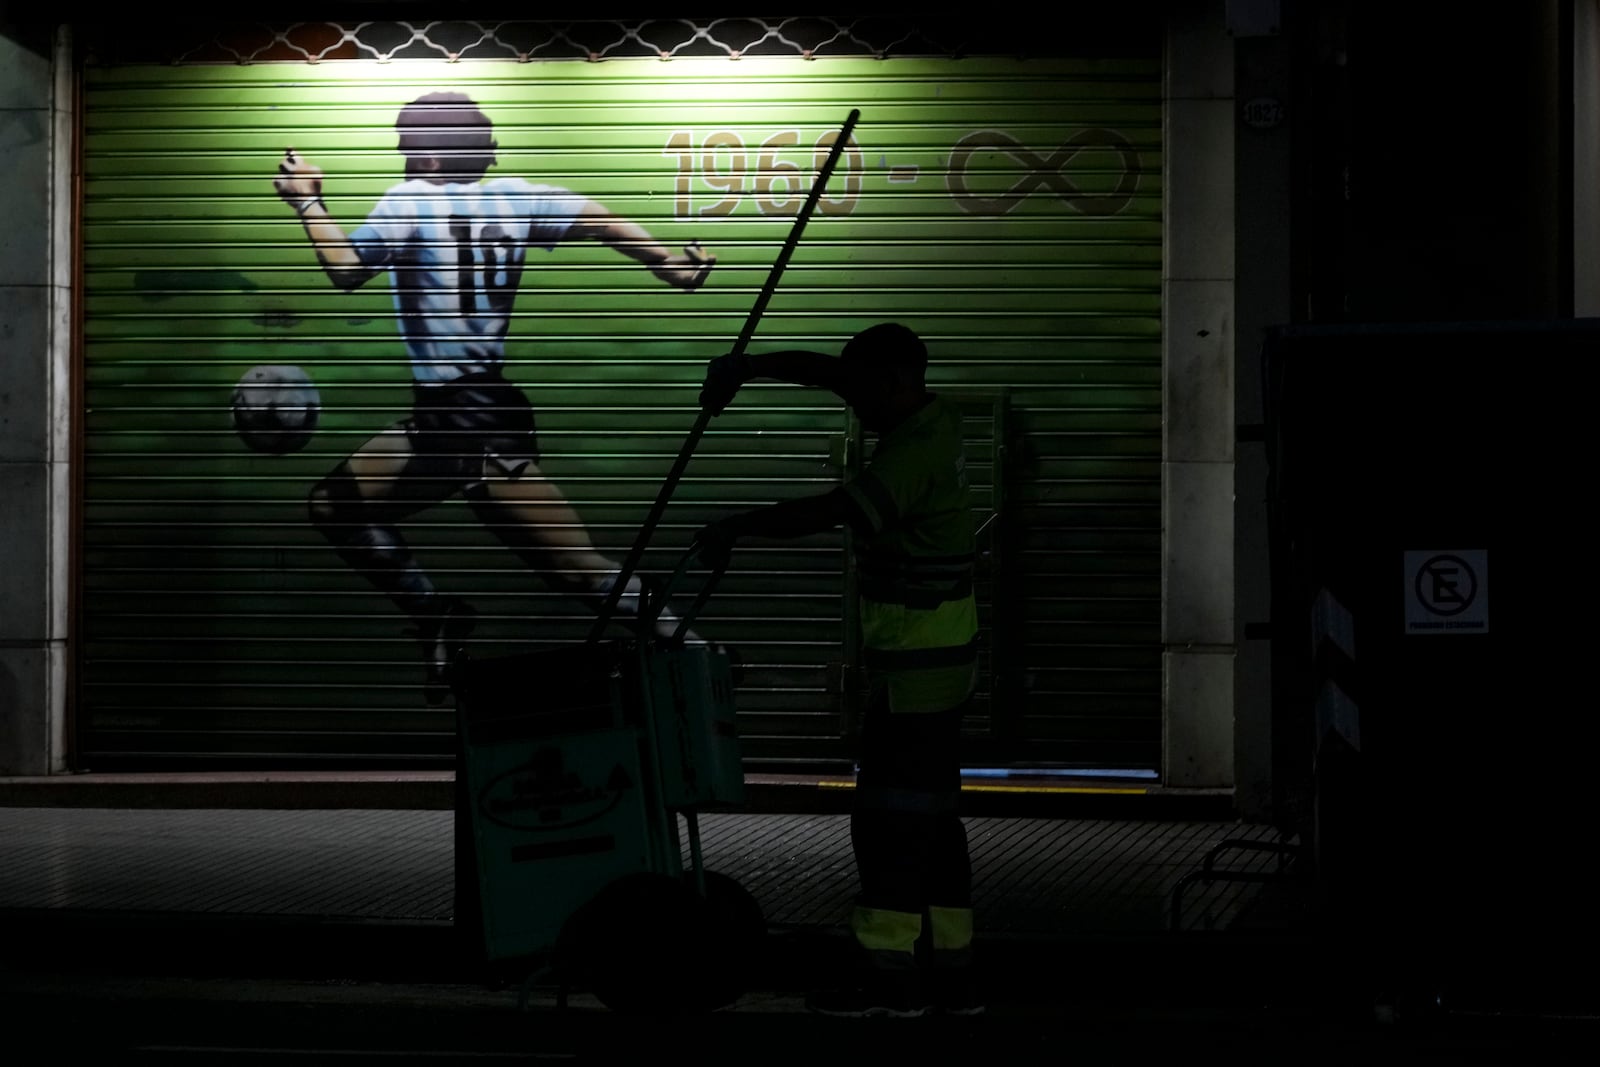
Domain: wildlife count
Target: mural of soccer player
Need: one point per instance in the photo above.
(454, 242)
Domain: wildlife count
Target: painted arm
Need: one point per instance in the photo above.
(685, 270)
(300, 185)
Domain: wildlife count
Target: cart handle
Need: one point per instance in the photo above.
(609, 606)
(652, 611)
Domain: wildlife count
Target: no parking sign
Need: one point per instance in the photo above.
(1447, 592)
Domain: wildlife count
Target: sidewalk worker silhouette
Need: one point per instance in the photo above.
(455, 243)
(911, 512)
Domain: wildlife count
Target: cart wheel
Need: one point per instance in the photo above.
(639, 945)
(737, 939)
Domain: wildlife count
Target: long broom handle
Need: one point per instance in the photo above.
(648, 529)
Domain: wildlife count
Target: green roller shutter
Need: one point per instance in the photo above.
(1007, 210)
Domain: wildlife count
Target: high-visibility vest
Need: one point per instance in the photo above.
(911, 506)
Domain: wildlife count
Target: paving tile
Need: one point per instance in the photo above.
(1030, 875)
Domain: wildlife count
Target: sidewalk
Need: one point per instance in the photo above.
(163, 876)
(183, 929)
(1061, 851)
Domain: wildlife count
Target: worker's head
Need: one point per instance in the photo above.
(885, 374)
(445, 137)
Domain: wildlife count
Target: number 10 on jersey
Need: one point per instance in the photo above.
(767, 176)
(491, 256)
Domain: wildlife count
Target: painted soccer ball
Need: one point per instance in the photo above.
(275, 409)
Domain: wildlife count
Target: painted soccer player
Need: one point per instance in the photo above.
(455, 242)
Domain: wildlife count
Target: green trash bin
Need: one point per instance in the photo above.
(575, 764)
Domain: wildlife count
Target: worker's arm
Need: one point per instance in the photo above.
(726, 375)
(782, 521)
(683, 270)
(300, 185)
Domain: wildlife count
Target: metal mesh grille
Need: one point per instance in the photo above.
(808, 37)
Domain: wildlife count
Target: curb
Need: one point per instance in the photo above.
(435, 791)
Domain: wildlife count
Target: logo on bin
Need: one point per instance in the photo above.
(544, 795)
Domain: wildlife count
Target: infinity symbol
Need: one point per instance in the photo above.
(1043, 172)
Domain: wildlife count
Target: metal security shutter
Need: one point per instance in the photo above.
(1009, 211)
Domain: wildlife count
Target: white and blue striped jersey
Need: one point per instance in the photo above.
(455, 254)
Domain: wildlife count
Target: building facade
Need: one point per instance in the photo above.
(1093, 223)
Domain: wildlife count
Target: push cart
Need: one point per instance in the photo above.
(576, 766)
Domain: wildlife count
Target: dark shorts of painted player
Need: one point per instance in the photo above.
(456, 426)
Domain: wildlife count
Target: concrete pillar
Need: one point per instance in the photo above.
(1198, 340)
(1265, 123)
(36, 130)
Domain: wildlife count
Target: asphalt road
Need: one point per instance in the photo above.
(227, 993)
